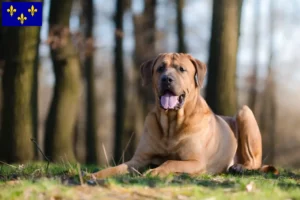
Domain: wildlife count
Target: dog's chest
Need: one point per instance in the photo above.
(170, 136)
(168, 150)
(170, 124)
(170, 145)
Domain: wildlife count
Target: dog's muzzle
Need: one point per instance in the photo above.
(169, 99)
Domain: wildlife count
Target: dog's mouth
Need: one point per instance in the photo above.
(170, 101)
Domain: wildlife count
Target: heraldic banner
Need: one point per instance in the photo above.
(22, 13)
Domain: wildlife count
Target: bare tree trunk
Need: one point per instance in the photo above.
(253, 84)
(139, 103)
(66, 65)
(273, 116)
(145, 47)
(2, 34)
(268, 118)
(35, 96)
(269, 108)
(144, 27)
(91, 109)
(221, 86)
(119, 80)
(181, 48)
(19, 55)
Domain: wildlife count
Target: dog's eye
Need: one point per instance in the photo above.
(160, 69)
(182, 69)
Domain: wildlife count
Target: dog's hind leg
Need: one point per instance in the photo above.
(249, 152)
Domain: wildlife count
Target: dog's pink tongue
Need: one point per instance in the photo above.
(169, 101)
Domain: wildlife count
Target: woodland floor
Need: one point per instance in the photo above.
(61, 181)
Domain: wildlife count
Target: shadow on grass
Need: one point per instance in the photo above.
(67, 174)
(289, 185)
(173, 181)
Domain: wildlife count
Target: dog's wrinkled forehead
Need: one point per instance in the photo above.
(170, 60)
(173, 60)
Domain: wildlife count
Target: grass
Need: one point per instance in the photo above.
(61, 181)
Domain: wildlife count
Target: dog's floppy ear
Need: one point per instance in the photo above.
(146, 70)
(200, 71)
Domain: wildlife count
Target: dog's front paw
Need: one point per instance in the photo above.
(236, 169)
(104, 173)
(159, 171)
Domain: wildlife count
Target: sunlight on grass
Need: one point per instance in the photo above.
(61, 181)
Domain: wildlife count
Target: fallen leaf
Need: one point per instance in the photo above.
(250, 187)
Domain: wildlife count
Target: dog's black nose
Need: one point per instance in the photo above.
(167, 79)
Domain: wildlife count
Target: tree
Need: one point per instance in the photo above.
(19, 52)
(119, 80)
(138, 105)
(253, 89)
(221, 87)
(269, 107)
(144, 27)
(181, 48)
(66, 66)
(91, 110)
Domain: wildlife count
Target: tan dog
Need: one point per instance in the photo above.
(182, 134)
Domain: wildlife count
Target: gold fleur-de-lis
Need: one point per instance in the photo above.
(22, 18)
(11, 10)
(32, 10)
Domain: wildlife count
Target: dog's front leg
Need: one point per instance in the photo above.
(191, 167)
(141, 158)
(130, 166)
(112, 171)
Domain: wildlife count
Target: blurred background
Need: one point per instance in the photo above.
(72, 87)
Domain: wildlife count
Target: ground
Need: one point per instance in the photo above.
(61, 181)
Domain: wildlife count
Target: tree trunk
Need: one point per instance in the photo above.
(144, 26)
(19, 53)
(253, 78)
(66, 66)
(145, 30)
(273, 107)
(221, 86)
(269, 108)
(91, 109)
(137, 105)
(119, 80)
(181, 48)
(268, 118)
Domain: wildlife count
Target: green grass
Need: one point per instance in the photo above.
(34, 181)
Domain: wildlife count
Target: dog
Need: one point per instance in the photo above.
(182, 134)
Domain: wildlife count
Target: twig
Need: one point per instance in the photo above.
(37, 146)
(63, 162)
(68, 162)
(105, 154)
(127, 145)
(79, 172)
(114, 162)
(8, 164)
(265, 157)
(135, 170)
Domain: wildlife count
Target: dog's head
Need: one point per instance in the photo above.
(175, 78)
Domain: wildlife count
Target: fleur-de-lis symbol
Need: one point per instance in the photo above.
(22, 18)
(11, 10)
(32, 10)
